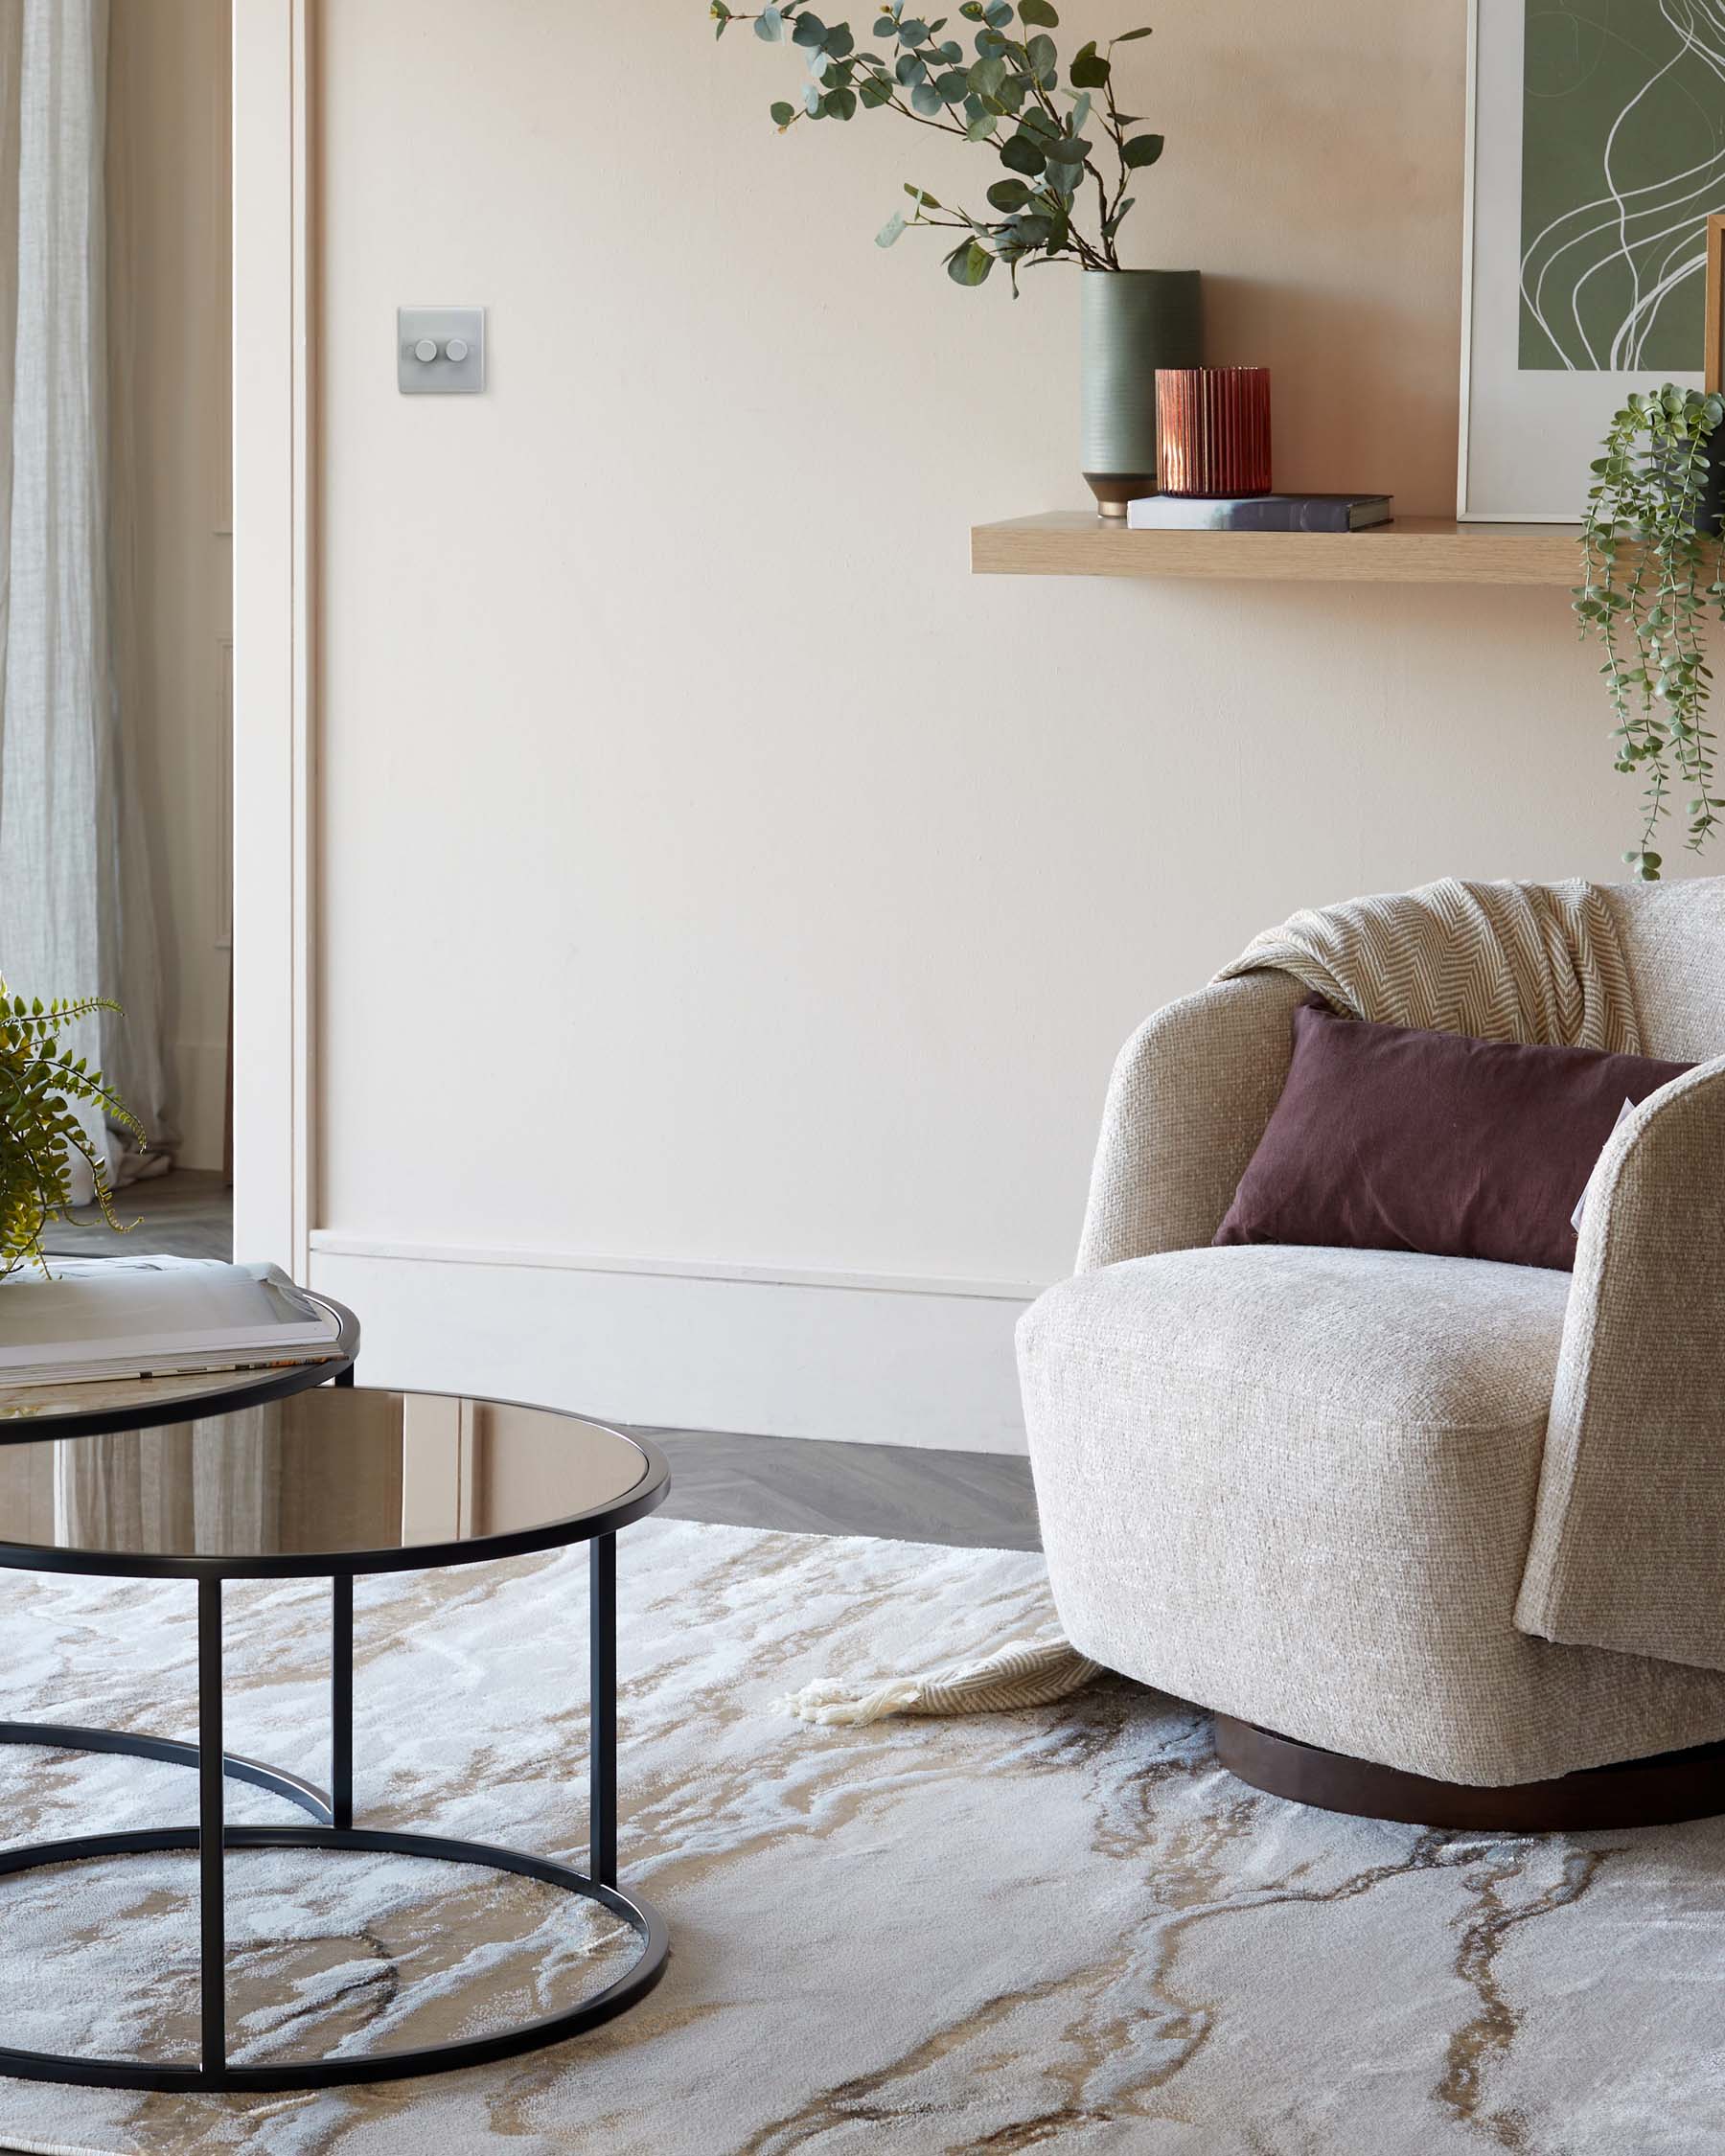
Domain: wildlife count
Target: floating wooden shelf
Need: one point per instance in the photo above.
(1066, 542)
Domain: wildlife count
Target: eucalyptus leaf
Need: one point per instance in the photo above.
(1021, 153)
(783, 114)
(1009, 194)
(892, 230)
(1141, 150)
(1129, 37)
(925, 98)
(769, 27)
(839, 105)
(1088, 70)
(970, 263)
(810, 30)
(1039, 15)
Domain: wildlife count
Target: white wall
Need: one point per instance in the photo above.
(168, 199)
(716, 876)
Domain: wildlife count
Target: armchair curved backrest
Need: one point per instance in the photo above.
(1674, 939)
(1192, 1090)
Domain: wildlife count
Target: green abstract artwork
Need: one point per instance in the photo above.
(1623, 159)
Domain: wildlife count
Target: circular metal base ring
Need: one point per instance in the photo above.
(620, 1994)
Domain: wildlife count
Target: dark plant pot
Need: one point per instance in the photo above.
(1133, 321)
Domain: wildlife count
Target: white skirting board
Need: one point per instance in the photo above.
(878, 1361)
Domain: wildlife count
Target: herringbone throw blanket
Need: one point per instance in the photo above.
(1531, 962)
(1028, 1673)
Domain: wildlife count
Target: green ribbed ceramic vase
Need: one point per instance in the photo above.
(1133, 321)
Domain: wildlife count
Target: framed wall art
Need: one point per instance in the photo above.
(1596, 152)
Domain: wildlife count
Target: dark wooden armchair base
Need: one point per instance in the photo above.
(1676, 1785)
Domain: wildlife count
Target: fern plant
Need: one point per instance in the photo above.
(38, 1133)
(1653, 576)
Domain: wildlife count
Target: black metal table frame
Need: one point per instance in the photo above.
(333, 1812)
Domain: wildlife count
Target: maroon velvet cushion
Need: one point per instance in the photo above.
(1390, 1138)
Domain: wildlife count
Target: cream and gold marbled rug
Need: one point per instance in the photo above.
(1063, 1927)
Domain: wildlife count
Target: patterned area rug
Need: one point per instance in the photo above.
(1066, 1926)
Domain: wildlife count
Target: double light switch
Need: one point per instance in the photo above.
(440, 351)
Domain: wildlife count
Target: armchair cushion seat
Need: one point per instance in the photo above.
(1356, 1343)
(1298, 1486)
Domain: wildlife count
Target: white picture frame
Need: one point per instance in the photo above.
(1527, 436)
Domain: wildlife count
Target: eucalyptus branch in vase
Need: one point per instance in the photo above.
(1068, 151)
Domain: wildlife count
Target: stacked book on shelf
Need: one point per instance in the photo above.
(1259, 513)
(92, 1319)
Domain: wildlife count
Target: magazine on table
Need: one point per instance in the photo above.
(155, 1317)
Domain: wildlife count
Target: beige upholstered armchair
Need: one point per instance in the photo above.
(1405, 1523)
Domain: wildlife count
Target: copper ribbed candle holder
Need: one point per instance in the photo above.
(1212, 430)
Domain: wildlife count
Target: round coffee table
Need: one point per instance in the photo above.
(329, 1482)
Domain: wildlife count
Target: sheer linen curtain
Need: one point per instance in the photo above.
(76, 915)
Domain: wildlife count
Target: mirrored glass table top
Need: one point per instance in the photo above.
(333, 1479)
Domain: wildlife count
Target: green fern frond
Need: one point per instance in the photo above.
(39, 1135)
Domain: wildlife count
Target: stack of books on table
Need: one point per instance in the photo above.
(1259, 513)
(90, 1319)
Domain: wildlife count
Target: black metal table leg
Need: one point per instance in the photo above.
(341, 1700)
(211, 1776)
(602, 1694)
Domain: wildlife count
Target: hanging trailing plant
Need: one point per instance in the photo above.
(38, 1133)
(1653, 577)
(1062, 196)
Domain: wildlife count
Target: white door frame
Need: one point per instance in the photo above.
(275, 711)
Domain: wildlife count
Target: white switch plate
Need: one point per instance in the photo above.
(440, 377)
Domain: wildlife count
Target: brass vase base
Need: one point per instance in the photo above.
(1113, 490)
